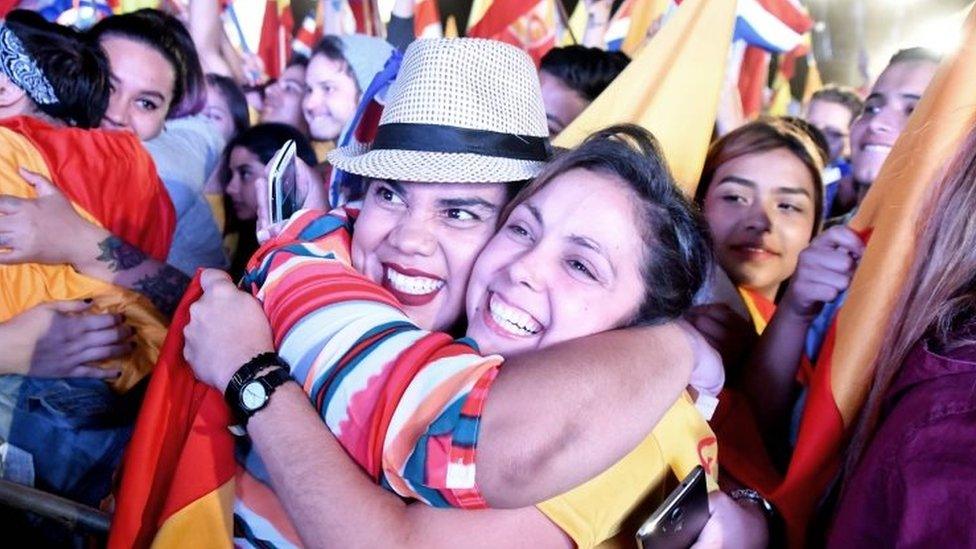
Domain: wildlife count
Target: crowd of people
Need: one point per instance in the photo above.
(465, 336)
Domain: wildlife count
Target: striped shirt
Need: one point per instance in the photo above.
(405, 403)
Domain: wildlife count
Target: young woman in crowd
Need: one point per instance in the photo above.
(243, 163)
(909, 467)
(226, 106)
(58, 409)
(572, 77)
(158, 88)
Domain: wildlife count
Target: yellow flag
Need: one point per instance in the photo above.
(451, 29)
(891, 215)
(671, 88)
(814, 83)
(645, 14)
(577, 26)
(478, 9)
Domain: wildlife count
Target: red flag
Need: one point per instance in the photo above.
(527, 24)
(427, 19)
(276, 32)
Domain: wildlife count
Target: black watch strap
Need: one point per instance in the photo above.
(249, 372)
(250, 369)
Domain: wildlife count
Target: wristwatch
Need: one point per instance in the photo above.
(252, 386)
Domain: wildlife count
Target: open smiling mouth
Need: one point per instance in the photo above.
(509, 321)
(409, 286)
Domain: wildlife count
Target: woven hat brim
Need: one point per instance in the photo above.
(431, 167)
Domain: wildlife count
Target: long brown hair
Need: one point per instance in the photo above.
(941, 286)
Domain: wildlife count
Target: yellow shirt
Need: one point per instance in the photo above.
(608, 509)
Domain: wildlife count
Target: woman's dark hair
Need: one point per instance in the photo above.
(78, 71)
(677, 248)
(264, 140)
(236, 102)
(765, 135)
(169, 37)
(587, 71)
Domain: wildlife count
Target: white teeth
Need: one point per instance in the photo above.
(413, 285)
(511, 319)
(877, 148)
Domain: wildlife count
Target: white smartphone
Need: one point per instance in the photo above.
(282, 184)
(676, 523)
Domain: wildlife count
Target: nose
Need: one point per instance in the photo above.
(413, 236)
(525, 270)
(117, 115)
(311, 101)
(758, 218)
(886, 121)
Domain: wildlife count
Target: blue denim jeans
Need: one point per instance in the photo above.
(75, 429)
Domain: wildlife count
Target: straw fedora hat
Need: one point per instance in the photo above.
(461, 110)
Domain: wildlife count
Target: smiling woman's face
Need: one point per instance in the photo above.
(420, 240)
(565, 264)
(143, 82)
(760, 211)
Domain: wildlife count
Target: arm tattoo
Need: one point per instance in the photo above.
(163, 285)
(165, 288)
(120, 255)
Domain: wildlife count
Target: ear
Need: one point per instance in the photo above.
(10, 94)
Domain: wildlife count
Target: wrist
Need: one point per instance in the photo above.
(84, 253)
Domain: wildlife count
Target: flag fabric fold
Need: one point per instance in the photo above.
(528, 24)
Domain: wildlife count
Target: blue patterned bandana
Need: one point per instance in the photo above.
(21, 69)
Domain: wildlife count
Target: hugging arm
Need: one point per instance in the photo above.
(559, 416)
(343, 507)
(34, 232)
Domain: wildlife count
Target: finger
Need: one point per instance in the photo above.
(96, 322)
(41, 184)
(841, 237)
(10, 204)
(835, 260)
(213, 278)
(94, 372)
(109, 336)
(104, 352)
(261, 186)
(69, 306)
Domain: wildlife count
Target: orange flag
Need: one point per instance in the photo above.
(890, 219)
(671, 88)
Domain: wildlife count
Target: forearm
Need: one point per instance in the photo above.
(204, 27)
(769, 379)
(106, 257)
(558, 417)
(332, 503)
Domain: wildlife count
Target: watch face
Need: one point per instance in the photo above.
(253, 395)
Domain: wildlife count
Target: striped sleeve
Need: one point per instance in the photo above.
(405, 403)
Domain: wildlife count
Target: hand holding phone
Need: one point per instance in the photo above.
(678, 521)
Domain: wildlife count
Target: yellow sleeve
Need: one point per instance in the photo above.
(618, 500)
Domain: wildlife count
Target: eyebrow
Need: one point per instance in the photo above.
(473, 202)
(556, 120)
(752, 185)
(153, 93)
